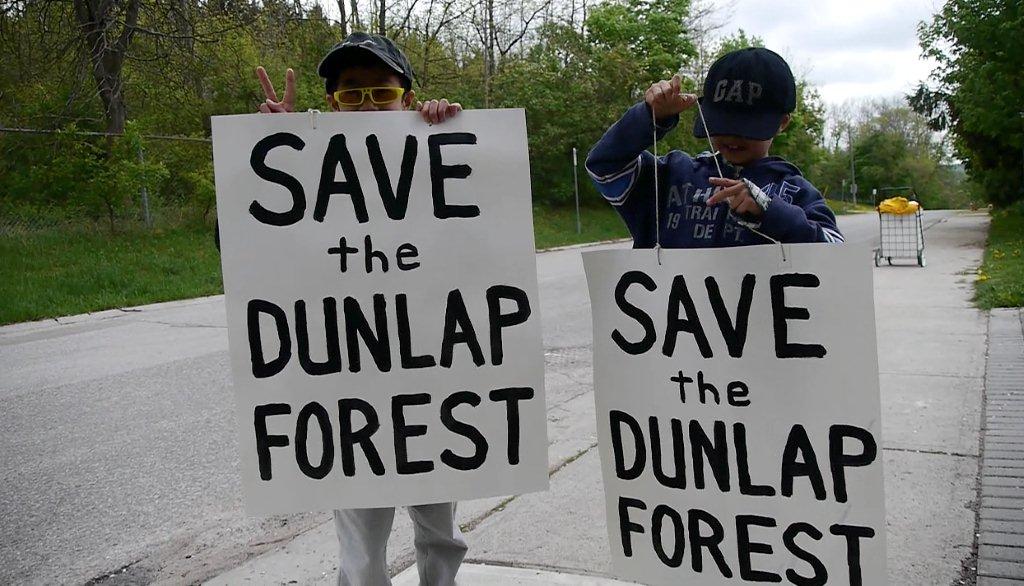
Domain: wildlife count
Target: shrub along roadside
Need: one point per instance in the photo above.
(1000, 281)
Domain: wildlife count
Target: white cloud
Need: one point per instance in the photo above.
(849, 49)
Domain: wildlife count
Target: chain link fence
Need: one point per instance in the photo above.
(70, 179)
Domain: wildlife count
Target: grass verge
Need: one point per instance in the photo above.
(54, 272)
(75, 270)
(1000, 281)
(840, 207)
(557, 226)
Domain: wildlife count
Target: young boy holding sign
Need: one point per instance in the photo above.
(735, 197)
(367, 73)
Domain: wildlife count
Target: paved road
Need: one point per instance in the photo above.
(119, 453)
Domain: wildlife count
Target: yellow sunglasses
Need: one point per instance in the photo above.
(377, 95)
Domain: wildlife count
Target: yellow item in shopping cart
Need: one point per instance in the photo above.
(898, 205)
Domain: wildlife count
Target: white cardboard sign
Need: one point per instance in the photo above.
(738, 414)
(383, 318)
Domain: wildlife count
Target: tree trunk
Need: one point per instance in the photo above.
(356, 23)
(380, 20)
(489, 52)
(342, 18)
(98, 23)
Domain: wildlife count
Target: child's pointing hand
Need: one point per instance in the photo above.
(666, 98)
(736, 193)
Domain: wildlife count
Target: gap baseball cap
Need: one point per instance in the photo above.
(380, 47)
(746, 93)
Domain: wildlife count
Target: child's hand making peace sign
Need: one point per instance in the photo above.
(272, 105)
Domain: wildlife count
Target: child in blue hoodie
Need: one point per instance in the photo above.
(737, 196)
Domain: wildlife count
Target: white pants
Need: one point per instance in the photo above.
(363, 537)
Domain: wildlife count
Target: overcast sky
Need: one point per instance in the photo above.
(849, 49)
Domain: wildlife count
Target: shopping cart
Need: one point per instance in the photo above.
(901, 235)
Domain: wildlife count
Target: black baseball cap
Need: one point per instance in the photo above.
(746, 93)
(380, 47)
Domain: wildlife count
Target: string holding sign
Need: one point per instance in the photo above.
(657, 203)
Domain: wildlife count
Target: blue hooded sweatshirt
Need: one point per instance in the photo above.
(622, 170)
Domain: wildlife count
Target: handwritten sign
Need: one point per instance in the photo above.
(381, 294)
(738, 414)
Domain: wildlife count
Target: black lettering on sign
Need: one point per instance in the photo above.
(458, 329)
(499, 321)
(408, 359)
(735, 334)
(853, 535)
(840, 460)
(616, 419)
(678, 454)
(798, 445)
(781, 313)
(712, 542)
(650, 336)
(265, 441)
(626, 526)
(511, 397)
(258, 162)
(680, 295)
(439, 172)
(337, 154)
(737, 393)
(260, 367)
(704, 388)
(332, 363)
(394, 204)
(820, 577)
(450, 458)
(739, 433)
(314, 410)
(342, 250)
(376, 338)
(404, 431)
(745, 547)
(716, 454)
(404, 252)
(675, 559)
(681, 380)
(348, 437)
(369, 254)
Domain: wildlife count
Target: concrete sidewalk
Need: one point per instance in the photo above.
(932, 345)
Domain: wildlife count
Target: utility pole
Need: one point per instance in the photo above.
(576, 188)
(144, 192)
(853, 170)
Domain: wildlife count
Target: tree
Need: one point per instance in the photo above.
(892, 146)
(977, 90)
(106, 28)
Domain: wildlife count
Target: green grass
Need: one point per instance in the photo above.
(71, 271)
(1000, 281)
(55, 272)
(557, 226)
(840, 207)
(65, 272)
